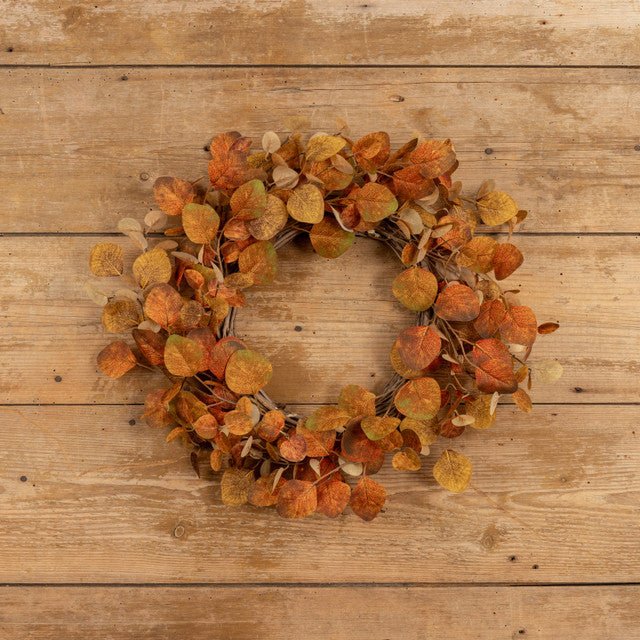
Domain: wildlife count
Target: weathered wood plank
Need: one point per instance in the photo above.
(81, 148)
(88, 497)
(320, 32)
(360, 613)
(348, 317)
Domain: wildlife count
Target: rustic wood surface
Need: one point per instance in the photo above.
(312, 32)
(105, 532)
(358, 613)
(86, 146)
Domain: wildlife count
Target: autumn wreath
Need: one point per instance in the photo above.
(470, 343)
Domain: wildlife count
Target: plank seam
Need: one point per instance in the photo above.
(314, 66)
(313, 585)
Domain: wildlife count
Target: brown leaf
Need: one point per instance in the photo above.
(519, 326)
(372, 150)
(116, 359)
(418, 399)
(151, 345)
(221, 353)
(496, 208)
(548, 327)
(319, 443)
(376, 428)
(506, 259)
(419, 346)
(292, 447)
(435, 157)
(163, 305)
(321, 147)
(333, 497)
(491, 316)
(172, 194)
(327, 419)
(368, 498)
(522, 400)
(457, 302)
(297, 499)
(249, 200)
(271, 222)
(329, 239)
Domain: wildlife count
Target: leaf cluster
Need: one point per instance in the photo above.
(219, 235)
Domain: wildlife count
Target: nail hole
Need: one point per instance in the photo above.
(488, 151)
(58, 378)
(124, 77)
(637, 147)
(9, 49)
(535, 566)
(23, 478)
(512, 558)
(297, 328)
(132, 422)
(578, 389)
(144, 176)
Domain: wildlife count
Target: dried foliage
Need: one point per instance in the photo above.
(470, 344)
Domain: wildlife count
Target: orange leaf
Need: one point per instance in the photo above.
(116, 359)
(419, 346)
(368, 498)
(297, 499)
(457, 302)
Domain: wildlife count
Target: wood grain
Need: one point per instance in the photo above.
(88, 496)
(82, 148)
(320, 32)
(346, 312)
(359, 613)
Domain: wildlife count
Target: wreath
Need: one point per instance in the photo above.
(469, 346)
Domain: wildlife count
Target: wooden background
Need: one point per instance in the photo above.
(104, 530)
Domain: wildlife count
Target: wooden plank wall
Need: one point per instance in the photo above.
(104, 530)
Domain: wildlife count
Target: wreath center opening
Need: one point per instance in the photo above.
(326, 323)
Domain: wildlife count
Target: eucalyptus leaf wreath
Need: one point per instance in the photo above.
(212, 239)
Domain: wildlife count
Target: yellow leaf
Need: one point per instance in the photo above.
(106, 259)
(415, 288)
(247, 372)
(322, 147)
(235, 485)
(453, 471)
(496, 208)
(182, 356)
(200, 222)
(306, 204)
(153, 267)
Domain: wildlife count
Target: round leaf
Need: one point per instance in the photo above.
(375, 202)
(419, 399)
(247, 372)
(329, 239)
(106, 259)
(152, 267)
(306, 204)
(415, 288)
(496, 208)
(182, 357)
(200, 223)
(452, 471)
(116, 359)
